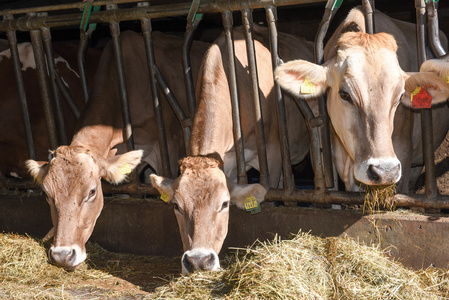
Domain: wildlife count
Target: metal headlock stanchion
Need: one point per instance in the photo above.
(426, 113)
(12, 39)
(145, 23)
(433, 28)
(247, 21)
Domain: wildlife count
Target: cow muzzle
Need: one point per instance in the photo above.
(379, 171)
(199, 260)
(66, 257)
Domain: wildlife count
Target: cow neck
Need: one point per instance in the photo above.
(209, 133)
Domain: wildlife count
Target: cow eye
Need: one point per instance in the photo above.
(176, 207)
(92, 193)
(224, 205)
(345, 96)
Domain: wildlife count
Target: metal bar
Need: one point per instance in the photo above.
(289, 183)
(12, 39)
(81, 59)
(315, 155)
(186, 64)
(46, 37)
(162, 136)
(115, 33)
(368, 8)
(62, 88)
(169, 10)
(433, 29)
(41, 68)
(426, 114)
(323, 27)
(185, 122)
(247, 21)
(233, 89)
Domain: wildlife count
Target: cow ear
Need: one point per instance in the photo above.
(164, 186)
(37, 169)
(302, 78)
(240, 192)
(438, 66)
(436, 87)
(118, 167)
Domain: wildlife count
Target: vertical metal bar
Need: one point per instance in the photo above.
(46, 37)
(312, 124)
(81, 59)
(12, 39)
(162, 136)
(66, 94)
(323, 27)
(247, 21)
(237, 128)
(289, 183)
(41, 69)
(368, 8)
(115, 33)
(433, 29)
(426, 114)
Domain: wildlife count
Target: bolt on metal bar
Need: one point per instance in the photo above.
(115, 33)
(289, 183)
(368, 9)
(46, 38)
(433, 29)
(247, 21)
(162, 136)
(81, 60)
(185, 122)
(41, 68)
(12, 39)
(426, 113)
(330, 10)
(233, 89)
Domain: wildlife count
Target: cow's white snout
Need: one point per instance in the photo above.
(199, 260)
(375, 171)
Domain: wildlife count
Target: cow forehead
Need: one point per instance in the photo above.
(68, 172)
(202, 186)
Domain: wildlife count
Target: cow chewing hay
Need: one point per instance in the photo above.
(379, 197)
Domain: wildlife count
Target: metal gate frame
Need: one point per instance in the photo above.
(38, 23)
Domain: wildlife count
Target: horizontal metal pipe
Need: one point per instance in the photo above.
(26, 23)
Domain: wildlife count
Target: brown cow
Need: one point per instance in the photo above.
(365, 82)
(13, 145)
(72, 178)
(203, 192)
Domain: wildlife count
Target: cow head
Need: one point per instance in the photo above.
(72, 182)
(201, 197)
(365, 85)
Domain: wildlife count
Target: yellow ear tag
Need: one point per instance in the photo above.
(252, 205)
(415, 92)
(125, 169)
(307, 87)
(447, 79)
(164, 197)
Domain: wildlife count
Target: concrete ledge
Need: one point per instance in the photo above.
(149, 227)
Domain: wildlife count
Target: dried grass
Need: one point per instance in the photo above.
(378, 197)
(309, 267)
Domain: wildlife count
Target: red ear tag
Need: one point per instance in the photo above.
(421, 98)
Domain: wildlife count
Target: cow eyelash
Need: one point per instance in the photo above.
(91, 194)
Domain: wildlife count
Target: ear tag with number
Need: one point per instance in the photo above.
(307, 87)
(164, 197)
(420, 98)
(252, 205)
(125, 169)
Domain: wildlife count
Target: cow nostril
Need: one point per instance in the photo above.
(372, 174)
(72, 257)
(189, 263)
(207, 262)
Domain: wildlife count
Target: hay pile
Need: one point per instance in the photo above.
(309, 267)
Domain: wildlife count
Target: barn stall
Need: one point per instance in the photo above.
(143, 224)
